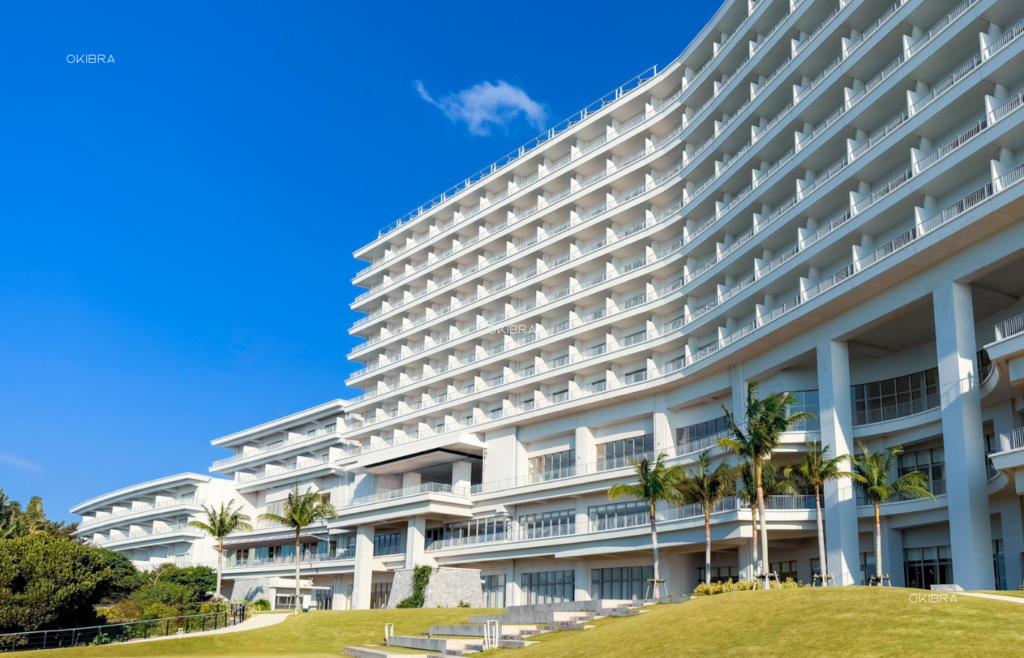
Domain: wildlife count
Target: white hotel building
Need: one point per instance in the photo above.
(819, 195)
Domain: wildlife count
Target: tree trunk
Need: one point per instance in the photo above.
(298, 588)
(654, 541)
(753, 523)
(220, 562)
(707, 545)
(764, 529)
(878, 545)
(821, 539)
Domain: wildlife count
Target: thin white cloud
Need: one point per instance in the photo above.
(484, 106)
(18, 462)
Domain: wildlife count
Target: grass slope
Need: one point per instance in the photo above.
(312, 635)
(803, 623)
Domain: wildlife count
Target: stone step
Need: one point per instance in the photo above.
(366, 652)
(477, 630)
(519, 618)
(598, 606)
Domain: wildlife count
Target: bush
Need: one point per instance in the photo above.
(159, 611)
(463, 604)
(200, 579)
(421, 577)
(49, 582)
(741, 586)
(261, 604)
(122, 611)
(181, 598)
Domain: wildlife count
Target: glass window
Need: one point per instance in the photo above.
(924, 567)
(494, 591)
(388, 544)
(548, 587)
(930, 462)
(806, 401)
(552, 466)
(784, 569)
(618, 515)
(702, 435)
(379, 593)
(875, 402)
(621, 583)
(547, 524)
(619, 454)
(720, 574)
(867, 567)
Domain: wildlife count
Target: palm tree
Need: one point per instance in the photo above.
(221, 523)
(772, 486)
(654, 483)
(874, 470)
(705, 487)
(815, 470)
(764, 422)
(301, 510)
(7, 517)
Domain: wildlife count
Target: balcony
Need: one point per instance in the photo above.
(143, 534)
(279, 445)
(408, 492)
(271, 472)
(140, 509)
(894, 412)
(307, 558)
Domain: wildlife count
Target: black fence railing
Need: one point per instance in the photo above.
(230, 615)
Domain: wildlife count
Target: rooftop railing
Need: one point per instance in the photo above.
(278, 445)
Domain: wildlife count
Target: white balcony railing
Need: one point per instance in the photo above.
(147, 507)
(271, 471)
(393, 494)
(1010, 327)
(278, 445)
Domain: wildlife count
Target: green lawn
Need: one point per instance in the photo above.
(1013, 592)
(803, 623)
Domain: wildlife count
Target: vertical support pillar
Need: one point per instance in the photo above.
(363, 574)
(962, 437)
(892, 545)
(745, 561)
(512, 591)
(462, 474)
(415, 541)
(582, 581)
(842, 551)
(586, 449)
(739, 393)
(1013, 538)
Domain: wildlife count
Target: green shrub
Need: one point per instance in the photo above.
(261, 604)
(463, 604)
(159, 611)
(50, 582)
(421, 577)
(741, 586)
(181, 598)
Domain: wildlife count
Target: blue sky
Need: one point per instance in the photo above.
(175, 258)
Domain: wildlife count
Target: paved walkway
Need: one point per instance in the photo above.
(252, 623)
(1008, 599)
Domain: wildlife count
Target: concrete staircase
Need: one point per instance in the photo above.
(515, 626)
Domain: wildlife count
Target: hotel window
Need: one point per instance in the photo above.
(806, 401)
(930, 462)
(618, 454)
(999, 563)
(816, 566)
(388, 544)
(621, 582)
(720, 574)
(547, 524)
(618, 515)
(784, 569)
(494, 590)
(548, 587)
(894, 398)
(698, 437)
(552, 466)
(924, 567)
(379, 593)
(867, 567)
(560, 396)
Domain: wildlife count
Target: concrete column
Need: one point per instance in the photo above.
(966, 479)
(586, 448)
(1013, 538)
(415, 541)
(513, 595)
(842, 552)
(663, 438)
(892, 546)
(462, 474)
(739, 392)
(363, 574)
(582, 580)
(410, 480)
(745, 561)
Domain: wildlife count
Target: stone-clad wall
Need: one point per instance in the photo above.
(449, 586)
(251, 589)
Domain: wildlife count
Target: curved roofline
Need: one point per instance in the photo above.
(325, 407)
(159, 482)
